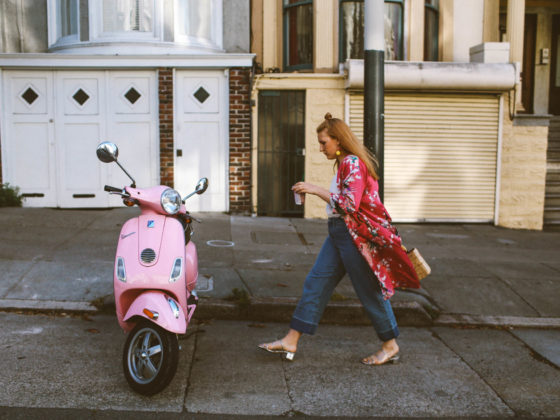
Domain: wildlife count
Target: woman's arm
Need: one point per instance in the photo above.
(307, 188)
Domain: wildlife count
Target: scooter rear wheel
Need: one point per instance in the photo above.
(150, 358)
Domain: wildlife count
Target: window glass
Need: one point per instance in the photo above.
(352, 29)
(194, 19)
(431, 32)
(298, 34)
(67, 18)
(128, 15)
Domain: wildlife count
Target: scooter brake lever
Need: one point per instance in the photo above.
(195, 219)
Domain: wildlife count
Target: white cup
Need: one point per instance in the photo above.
(297, 198)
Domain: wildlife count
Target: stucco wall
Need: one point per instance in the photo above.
(522, 175)
(236, 15)
(466, 36)
(319, 170)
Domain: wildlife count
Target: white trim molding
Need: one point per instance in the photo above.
(67, 61)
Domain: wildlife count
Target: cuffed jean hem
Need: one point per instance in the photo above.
(388, 335)
(302, 326)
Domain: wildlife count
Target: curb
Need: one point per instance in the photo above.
(349, 312)
(46, 306)
(456, 320)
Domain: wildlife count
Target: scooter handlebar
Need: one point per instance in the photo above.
(112, 189)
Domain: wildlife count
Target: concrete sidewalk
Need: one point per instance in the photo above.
(253, 268)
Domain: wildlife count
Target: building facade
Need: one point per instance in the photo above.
(167, 81)
(471, 120)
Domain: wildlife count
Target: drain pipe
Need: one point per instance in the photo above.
(374, 57)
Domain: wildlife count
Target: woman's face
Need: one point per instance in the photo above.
(327, 145)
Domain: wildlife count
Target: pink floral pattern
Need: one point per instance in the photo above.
(370, 226)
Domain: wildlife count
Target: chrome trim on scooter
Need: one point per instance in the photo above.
(174, 307)
(120, 271)
(176, 271)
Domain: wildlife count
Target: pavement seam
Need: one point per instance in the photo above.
(510, 286)
(291, 412)
(534, 354)
(436, 335)
(236, 270)
(35, 260)
(195, 334)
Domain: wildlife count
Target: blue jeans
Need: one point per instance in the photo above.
(338, 256)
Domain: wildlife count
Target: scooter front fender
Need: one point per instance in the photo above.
(170, 316)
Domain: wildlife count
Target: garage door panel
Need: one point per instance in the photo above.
(31, 157)
(440, 154)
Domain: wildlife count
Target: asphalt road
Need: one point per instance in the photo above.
(70, 367)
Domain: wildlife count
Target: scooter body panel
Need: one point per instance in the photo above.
(170, 315)
(149, 246)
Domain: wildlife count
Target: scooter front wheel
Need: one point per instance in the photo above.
(150, 358)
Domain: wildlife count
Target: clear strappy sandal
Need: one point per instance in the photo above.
(289, 355)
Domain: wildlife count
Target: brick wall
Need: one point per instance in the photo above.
(165, 93)
(240, 140)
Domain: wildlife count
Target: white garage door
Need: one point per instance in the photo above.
(53, 121)
(201, 140)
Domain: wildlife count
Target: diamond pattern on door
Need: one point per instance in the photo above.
(29, 95)
(80, 97)
(202, 96)
(132, 95)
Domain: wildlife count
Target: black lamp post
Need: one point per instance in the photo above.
(374, 59)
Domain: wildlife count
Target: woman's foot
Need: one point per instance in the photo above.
(388, 354)
(278, 346)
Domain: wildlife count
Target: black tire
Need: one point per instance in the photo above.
(150, 358)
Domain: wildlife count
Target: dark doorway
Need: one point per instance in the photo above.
(281, 153)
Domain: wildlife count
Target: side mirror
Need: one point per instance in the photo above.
(107, 152)
(201, 186)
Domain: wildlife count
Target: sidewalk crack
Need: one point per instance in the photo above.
(436, 335)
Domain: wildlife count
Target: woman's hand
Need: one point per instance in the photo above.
(308, 188)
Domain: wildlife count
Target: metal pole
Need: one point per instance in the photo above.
(374, 79)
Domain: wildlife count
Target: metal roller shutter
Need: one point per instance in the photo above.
(440, 154)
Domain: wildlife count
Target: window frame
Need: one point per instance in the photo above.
(53, 38)
(215, 43)
(430, 8)
(401, 3)
(285, 36)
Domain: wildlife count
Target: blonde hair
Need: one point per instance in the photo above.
(339, 130)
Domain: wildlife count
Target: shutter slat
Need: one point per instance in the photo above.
(440, 154)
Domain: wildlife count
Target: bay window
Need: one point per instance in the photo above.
(63, 21)
(199, 23)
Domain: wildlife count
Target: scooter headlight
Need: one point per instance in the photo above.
(170, 201)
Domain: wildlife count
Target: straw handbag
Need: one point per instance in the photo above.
(419, 263)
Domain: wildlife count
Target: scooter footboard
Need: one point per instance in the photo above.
(159, 308)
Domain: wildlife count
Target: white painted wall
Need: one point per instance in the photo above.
(467, 23)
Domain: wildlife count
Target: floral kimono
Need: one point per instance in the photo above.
(370, 226)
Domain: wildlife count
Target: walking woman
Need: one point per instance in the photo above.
(361, 242)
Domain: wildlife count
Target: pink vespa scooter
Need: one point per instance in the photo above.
(156, 270)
